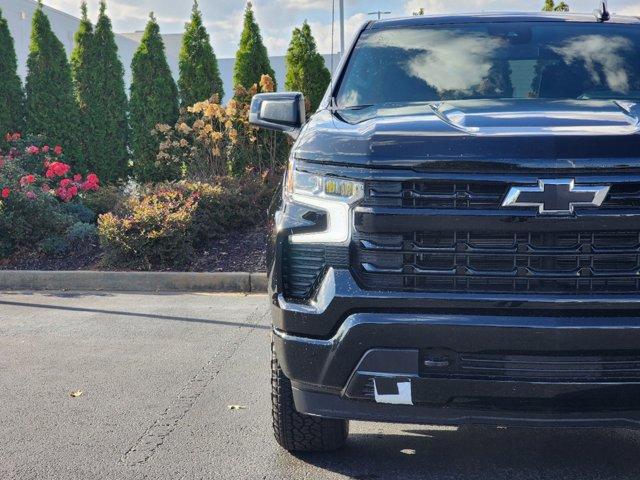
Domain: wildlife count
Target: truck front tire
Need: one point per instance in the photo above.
(295, 431)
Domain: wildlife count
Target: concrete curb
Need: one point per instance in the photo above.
(85, 280)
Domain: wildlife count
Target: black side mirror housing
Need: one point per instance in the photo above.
(282, 112)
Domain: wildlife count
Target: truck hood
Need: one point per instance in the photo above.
(466, 134)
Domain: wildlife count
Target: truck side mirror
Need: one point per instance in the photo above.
(282, 112)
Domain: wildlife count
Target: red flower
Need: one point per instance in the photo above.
(65, 183)
(66, 194)
(92, 183)
(77, 178)
(57, 169)
(5, 192)
(93, 178)
(57, 150)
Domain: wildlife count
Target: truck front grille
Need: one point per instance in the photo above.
(555, 368)
(461, 261)
(471, 195)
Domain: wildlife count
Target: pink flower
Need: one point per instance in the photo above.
(27, 180)
(33, 150)
(31, 195)
(45, 149)
(77, 178)
(57, 150)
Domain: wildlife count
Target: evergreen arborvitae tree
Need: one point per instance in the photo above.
(11, 93)
(252, 60)
(199, 74)
(154, 100)
(84, 83)
(51, 106)
(109, 155)
(550, 6)
(306, 71)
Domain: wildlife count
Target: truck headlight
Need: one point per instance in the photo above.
(335, 196)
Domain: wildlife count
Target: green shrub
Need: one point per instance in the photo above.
(109, 198)
(80, 212)
(81, 232)
(229, 204)
(54, 246)
(154, 233)
(30, 223)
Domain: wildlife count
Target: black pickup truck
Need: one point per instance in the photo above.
(458, 236)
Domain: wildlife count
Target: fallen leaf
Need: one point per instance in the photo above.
(236, 407)
(76, 393)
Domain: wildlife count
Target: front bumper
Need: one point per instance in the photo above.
(332, 406)
(334, 377)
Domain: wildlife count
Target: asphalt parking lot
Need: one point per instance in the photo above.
(158, 374)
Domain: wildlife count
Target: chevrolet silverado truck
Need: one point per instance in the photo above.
(457, 240)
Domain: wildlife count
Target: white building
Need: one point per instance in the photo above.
(19, 12)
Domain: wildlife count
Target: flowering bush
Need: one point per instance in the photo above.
(55, 173)
(36, 185)
(211, 139)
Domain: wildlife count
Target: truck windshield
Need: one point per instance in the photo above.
(550, 60)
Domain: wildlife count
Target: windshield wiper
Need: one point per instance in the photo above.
(356, 107)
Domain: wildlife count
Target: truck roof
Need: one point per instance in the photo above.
(419, 20)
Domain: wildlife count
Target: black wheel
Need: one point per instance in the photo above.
(295, 431)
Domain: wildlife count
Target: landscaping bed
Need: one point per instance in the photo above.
(205, 210)
(233, 252)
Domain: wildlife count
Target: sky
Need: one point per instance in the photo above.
(277, 18)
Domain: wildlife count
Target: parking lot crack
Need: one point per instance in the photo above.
(146, 445)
